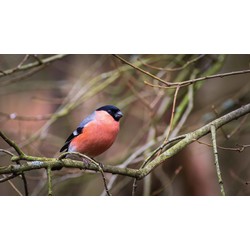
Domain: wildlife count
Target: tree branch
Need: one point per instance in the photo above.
(183, 83)
(173, 69)
(25, 184)
(27, 66)
(49, 177)
(12, 144)
(33, 163)
(216, 159)
(193, 136)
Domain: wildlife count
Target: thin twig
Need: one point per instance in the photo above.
(49, 177)
(156, 151)
(15, 188)
(45, 99)
(6, 178)
(134, 187)
(176, 173)
(158, 86)
(25, 184)
(160, 148)
(147, 168)
(12, 144)
(186, 113)
(143, 71)
(6, 152)
(130, 160)
(22, 75)
(104, 180)
(172, 115)
(14, 116)
(183, 83)
(31, 65)
(37, 58)
(240, 149)
(26, 57)
(173, 69)
(217, 115)
(63, 155)
(218, 171)
(139, 96)
(147, 181)
(33, 163)
(237, 127)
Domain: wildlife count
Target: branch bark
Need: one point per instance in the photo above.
(183, 83)
(31, 163)
(24, 67)
(216, 159)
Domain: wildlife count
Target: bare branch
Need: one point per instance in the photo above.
(26, 57)
(193, 136)
(25, 67)
(134, 187)
(12, 144)
(33, 163)
(15, 188)
(14, 116)
(6, 152)
(238, 127)
(183, 83)
(240, 148)
(176, 173)
(49, 177)
(173, 69)
(25, 184)
(216, 159)
(6, 178)
(186, 113)
(172, 115)
(22, 75)
(37, 58)
(104, 181)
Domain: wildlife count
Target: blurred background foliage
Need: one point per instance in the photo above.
(40, 108)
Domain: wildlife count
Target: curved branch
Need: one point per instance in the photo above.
(12, 144)
(33, 163)
(23, 67)
(194, 136)
(183, 83)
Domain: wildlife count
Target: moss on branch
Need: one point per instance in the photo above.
(23, 163)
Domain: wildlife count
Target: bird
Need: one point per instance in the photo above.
(96, 133)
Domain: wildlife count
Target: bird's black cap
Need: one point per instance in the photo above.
(112, 110)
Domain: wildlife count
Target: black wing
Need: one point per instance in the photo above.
(78, 131)
(70, 138)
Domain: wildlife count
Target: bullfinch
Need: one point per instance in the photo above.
(96, 133)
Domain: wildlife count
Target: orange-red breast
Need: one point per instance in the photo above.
(96, 133)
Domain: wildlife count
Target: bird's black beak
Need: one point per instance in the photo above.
(118, 115)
